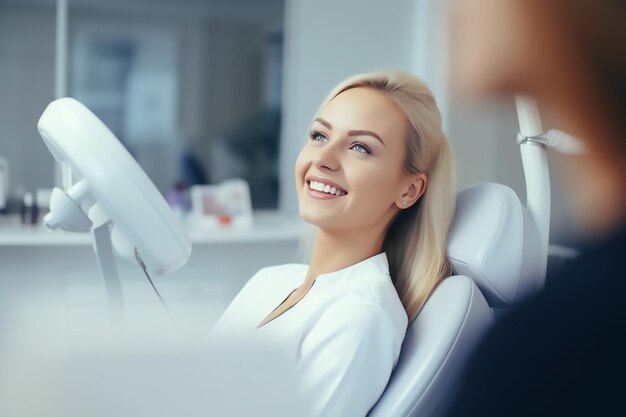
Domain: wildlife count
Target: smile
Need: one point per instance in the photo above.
(324, 189)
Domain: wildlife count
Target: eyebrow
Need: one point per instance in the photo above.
(351, 132)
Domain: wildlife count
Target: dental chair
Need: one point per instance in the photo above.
(498, 249)
(494, 250)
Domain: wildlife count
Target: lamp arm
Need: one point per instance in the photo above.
(536, 172)
(101, 232)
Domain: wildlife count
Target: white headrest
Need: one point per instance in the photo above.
(494, 241)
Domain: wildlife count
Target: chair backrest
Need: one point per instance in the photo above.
(494, 250)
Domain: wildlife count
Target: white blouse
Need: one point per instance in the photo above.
(345, 334)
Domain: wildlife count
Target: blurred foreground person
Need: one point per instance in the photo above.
(562, 352)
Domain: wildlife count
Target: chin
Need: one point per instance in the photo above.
(315, 218)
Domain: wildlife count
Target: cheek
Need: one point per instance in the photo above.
(301, 167)
(375, 187)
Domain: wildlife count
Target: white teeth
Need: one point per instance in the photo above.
(325, 188)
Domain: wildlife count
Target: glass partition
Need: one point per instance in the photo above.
(191, 88)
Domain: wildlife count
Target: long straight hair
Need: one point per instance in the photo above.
(416, 239)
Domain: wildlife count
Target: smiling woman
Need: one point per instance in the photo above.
(375, 178)
(379, 136)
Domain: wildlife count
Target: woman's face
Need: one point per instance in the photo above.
(351, 171)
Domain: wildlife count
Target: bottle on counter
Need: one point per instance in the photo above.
(29, 211)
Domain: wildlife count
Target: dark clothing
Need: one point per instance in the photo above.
(561, 352)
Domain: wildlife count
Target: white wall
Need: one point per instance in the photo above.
(483, 136)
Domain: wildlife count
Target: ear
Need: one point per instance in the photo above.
(415, 188)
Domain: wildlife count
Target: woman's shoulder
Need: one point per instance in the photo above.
(375, 300)
(378, 289)
(358, 320)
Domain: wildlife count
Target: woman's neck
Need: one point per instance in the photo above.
(335, 250)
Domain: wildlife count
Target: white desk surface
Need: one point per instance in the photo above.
(268, 226)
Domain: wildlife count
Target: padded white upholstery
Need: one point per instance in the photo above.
(435, 347)
(493, 245)
(494, 241)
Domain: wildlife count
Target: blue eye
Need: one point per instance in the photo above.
(359, 147)
(317, 136)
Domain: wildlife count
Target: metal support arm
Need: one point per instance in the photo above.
(106, 261)
(536, 172)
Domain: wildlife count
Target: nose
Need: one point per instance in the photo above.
(327, 157)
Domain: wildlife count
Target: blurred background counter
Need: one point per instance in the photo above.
(35, 262)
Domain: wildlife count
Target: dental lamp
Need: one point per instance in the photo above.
(113, 198)
(534, 143)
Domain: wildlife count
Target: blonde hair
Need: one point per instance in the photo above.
(416, 239)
